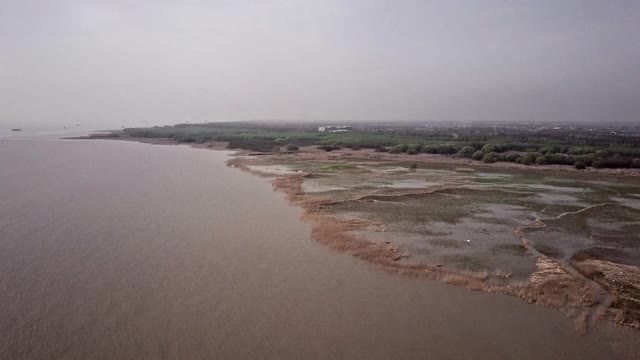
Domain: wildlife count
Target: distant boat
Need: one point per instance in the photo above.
(16, 129)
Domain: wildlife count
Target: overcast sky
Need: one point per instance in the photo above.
(161, 62)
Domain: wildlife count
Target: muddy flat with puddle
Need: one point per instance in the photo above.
(535, 235)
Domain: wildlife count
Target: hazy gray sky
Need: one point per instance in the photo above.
(128, 62)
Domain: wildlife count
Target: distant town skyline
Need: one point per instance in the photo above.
(114, 64)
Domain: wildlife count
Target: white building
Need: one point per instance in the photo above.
(335, 129)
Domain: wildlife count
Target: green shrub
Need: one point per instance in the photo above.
(491, 157)
(635, 163)
(431, 149)
(587, 159)
(477, 155)
(511, 156)
(579, 150)
(541, 160)
(488, 148)
(414, 149)
(560, 159)
(554, 149)
(527, 158)
(329, 147)
(292, 147)
(466, 151)
(580, 165)
(449, 149)
(544, 149)
(602, 153)
(615, 162)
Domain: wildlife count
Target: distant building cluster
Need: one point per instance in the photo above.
(335, 129)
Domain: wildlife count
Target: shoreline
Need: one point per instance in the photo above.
(552, 284)
(575, 298)
(311, 153)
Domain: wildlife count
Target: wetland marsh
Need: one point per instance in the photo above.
(556, 238)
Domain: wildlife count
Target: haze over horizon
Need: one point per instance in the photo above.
(122, 63)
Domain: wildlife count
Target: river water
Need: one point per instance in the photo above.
(121, 250)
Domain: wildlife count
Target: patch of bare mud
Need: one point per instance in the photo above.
(559, 245)
(413, 184)
(630, 203)
(272, 169)
(504, 213)
(495, 176)
(311, 186)
(623, 281)
(561, 189)
(559, 199)
(551, 285)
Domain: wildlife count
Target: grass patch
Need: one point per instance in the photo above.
(338, 167)
(414, 209)
(447, 243)
(465, 262)
(513, 249)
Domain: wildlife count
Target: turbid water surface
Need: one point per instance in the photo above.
(120, 250)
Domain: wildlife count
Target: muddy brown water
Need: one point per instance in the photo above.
(120, 250)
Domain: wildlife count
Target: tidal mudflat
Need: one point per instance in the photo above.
(562, 239)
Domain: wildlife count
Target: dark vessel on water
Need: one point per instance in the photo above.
(16, 129)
